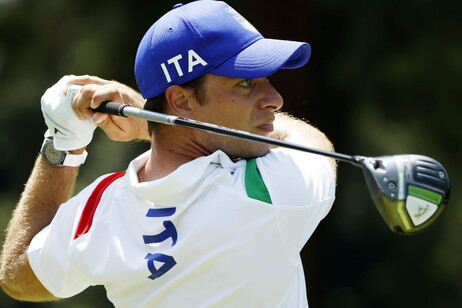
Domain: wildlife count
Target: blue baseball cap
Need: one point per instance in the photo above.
(209, 37)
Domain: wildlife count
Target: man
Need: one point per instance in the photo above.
(199, 220)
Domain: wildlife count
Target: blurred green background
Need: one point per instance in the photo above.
(384, 78)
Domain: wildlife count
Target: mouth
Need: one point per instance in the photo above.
(267, 126)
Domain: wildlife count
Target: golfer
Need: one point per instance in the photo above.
(199, 220)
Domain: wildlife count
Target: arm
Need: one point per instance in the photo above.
(48, 186)
(35, 210)
(294, 130)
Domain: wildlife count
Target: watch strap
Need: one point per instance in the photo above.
(74, 160)
(70, 160)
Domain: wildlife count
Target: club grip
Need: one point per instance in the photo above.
(111, 108)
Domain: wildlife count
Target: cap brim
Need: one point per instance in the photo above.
(264, 58)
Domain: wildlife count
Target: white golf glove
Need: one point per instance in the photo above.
(67, 130)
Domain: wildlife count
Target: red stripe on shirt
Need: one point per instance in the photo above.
(86, 220)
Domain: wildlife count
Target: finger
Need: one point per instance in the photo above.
(85, 80)
(82, 101)
(99, 118)
(110, 128)
(118, 93)
(105, 94)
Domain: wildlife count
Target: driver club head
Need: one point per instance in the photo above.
(409, 191)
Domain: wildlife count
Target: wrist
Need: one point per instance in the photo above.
(78, 151)
(55, 157)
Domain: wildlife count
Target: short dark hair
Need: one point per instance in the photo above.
(159, 103)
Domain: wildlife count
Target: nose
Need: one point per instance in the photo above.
(270, 98)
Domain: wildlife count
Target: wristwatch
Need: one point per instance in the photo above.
(61, 158)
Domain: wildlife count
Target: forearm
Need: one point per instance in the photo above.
(47, 188)
(294, 130)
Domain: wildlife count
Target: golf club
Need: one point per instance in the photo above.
(410, 191)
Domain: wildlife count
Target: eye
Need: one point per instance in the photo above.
(247, 83)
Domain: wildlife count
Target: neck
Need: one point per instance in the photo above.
(168, 153)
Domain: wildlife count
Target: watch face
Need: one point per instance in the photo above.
(51, 155)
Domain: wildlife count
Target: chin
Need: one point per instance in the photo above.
(249, 153)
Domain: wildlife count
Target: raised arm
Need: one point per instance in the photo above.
(294, 130)
(49, 186)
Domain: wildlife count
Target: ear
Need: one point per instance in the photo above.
(178, 99)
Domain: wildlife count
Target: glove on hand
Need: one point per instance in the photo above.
(67, 130)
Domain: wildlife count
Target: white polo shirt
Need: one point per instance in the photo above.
(214, 233)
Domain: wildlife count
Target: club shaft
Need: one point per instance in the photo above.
(127, 111)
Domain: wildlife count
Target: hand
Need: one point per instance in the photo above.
(68, 131)
(94, 92)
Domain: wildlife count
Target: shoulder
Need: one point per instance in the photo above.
(295, 174)
(286, 160)
(93, 201)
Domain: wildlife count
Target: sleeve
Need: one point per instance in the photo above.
(51, 250)
(302, 190)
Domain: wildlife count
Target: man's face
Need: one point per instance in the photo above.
(243, 104)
